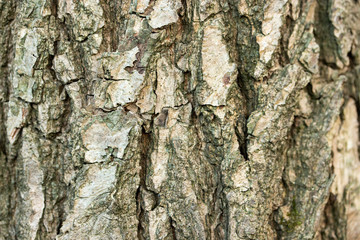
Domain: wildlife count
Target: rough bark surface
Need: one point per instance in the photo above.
(179, 119)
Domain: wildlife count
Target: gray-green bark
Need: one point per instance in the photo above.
(179, 119)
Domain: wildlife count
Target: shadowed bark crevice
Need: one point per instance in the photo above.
(324, 34)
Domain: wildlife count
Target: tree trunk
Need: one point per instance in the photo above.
(179, 119)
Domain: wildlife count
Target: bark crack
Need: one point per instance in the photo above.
(145, 146)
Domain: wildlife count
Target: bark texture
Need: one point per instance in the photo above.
(179, 119)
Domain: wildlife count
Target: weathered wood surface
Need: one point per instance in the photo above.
(179, 119)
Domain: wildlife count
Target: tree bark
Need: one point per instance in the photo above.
(179, 119)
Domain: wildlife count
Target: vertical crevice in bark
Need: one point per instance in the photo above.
(7, 184)
(54, 8)
(334, 219)
(247, 54)
(242, 136)
(286, 31)
(145, 147)
(222, 229)
(173, 229)
(140, 214)
(324, 34)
